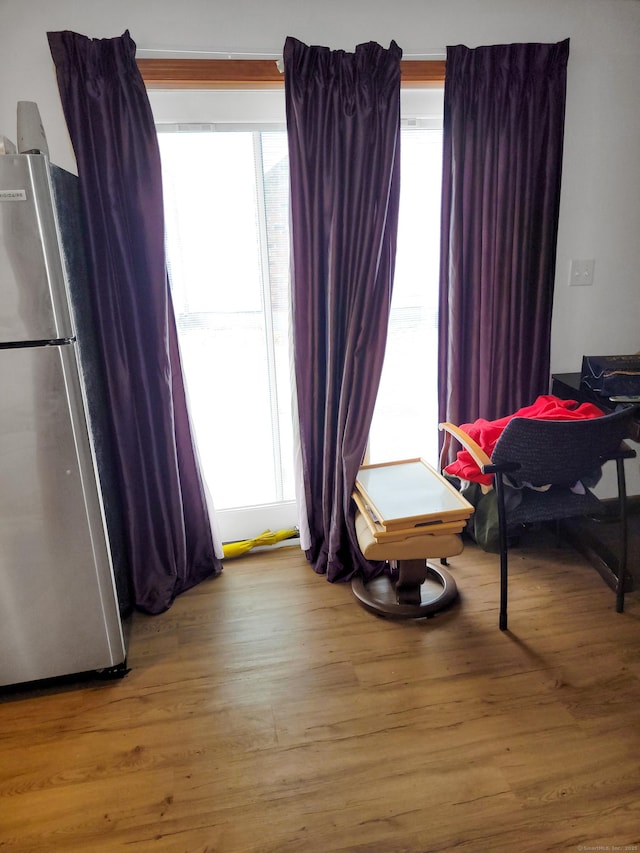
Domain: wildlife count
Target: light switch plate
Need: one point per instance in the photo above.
(581, 273)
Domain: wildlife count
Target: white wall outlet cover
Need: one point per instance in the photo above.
(581, 272)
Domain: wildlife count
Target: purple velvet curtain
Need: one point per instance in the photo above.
(503, 135)
(167, 526)
(343, 123)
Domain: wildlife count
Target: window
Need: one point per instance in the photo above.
(406, 415)
(226, 203)
(226, 199)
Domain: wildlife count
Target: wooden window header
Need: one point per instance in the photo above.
(256, 73)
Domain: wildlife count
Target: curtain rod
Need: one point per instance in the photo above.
(433, 54)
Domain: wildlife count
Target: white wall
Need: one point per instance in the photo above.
(600, 206)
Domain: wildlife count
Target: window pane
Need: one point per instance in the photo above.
(405, 421)
(275, 173)
(227, 220)
(215, 222)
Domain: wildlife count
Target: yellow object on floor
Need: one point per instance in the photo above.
(235, 549)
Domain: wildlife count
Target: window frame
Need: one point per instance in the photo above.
(163, 73)
(248, 74)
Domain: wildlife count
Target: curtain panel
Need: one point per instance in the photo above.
(503, 138)
(343, 126)
(167, 523)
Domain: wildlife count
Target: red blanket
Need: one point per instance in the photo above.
(486, 433)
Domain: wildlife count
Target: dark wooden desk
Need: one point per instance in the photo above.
(590, 537)
(567, 387)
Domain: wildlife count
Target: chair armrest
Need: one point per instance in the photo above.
(479, 456)
(500, 468)
(623, 452)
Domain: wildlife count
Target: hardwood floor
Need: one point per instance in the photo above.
(267, 711)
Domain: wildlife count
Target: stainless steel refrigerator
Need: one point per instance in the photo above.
(60, 611)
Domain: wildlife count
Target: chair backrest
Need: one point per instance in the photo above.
(561, 452)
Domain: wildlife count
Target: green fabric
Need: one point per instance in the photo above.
(482, 526)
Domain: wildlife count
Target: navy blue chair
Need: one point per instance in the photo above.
(547, 466)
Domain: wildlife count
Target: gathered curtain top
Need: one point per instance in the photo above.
(93, 57)
(526, 63)
(370, 67)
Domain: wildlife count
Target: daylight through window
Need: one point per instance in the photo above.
(227, 219)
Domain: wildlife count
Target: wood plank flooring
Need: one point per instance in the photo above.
(268, 712)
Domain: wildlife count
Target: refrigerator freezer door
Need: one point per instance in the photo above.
(33, 295)
(58, 605)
